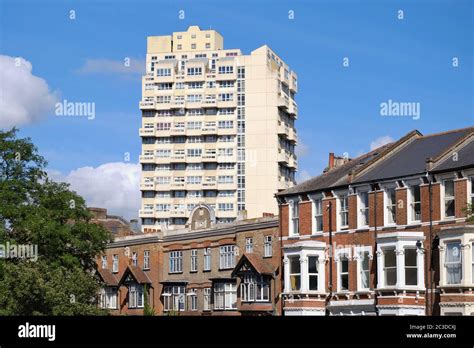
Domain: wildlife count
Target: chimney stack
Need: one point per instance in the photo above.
(331, 160)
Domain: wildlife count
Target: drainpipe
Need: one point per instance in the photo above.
(375, 248)
(429, 283)
(330, 257)
(282, 268)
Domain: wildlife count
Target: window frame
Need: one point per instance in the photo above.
(146, 259)
(268, 246)
(194, 260)
(449, 198)
(175, 261)
(227, 256)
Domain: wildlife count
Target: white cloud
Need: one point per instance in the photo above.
(114, 186)
(109, 66)
(380, 142)
(303, 175)
(24, 97)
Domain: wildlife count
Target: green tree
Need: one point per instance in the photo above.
(37, 211)
(469, 210)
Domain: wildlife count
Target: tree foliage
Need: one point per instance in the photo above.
(34, 210)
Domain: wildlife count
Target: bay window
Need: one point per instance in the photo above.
(295, 273)
(411, 267)
(255, 288)
(390, 267)
(364, 271)
(401, 263)
(135, 296)
(453, 262)
(313, 272)
(108, 298)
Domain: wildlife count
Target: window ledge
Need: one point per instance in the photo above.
(401, 288)
(362, 229)
(455, 286)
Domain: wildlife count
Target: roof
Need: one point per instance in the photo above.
(108, 278)
(403, 158)
(464, 158)
(137, 273)
(174, 281)
(335, 177)
(260, 265)
(411, 159)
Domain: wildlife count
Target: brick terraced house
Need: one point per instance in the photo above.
(224, 269)
(384, 233)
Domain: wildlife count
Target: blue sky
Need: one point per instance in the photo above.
(407, 60)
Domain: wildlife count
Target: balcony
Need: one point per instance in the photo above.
(227, 186)
(177, 104)
(193, 186)
(226, 77)
(147, 132)
(292, 135)
(178, 185)
(146, 213)
(227, 103)
(282, 129)
(209, 158)
(147, 158)
(209, 130)
(147, 105)
(209, 185)
(283, 101)
(147, 186)
(178, 158)
(293, 163)
(178, 213)
(293, 109)
(177, 131)
(227, 131)
(293, 83)
(284, 76)
(209, 103)
(283, 156)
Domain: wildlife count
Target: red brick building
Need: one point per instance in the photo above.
(224, 269)
(384, 233)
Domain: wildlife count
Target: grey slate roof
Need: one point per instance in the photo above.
(412, 158)
(409, 160)
(335, 177)
(464, 158)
